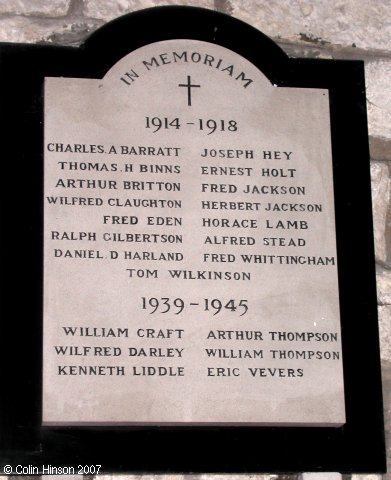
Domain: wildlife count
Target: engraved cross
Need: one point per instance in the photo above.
(189, 86)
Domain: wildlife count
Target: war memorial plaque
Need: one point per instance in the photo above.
(191, 277)
(190, 252)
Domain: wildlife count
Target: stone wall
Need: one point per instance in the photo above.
(343, 29)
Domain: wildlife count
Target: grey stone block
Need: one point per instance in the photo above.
(52, 8)
(377, 79)
(338, 22)
(381, 188)
(109, 9)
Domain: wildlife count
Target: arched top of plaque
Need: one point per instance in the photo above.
(108, 45)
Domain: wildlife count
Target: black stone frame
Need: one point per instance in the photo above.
(358, 446)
